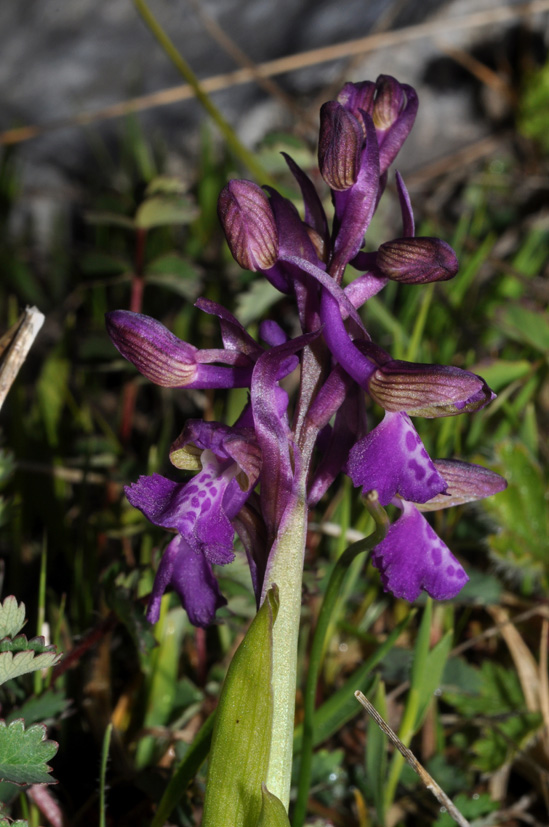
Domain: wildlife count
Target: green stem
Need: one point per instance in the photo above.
(183, 67)
(287, 572)
(317, 648)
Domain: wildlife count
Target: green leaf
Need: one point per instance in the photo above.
(23, 754)
(185, 772)
(252, 304)
(19, 823)
(51, 393)
(526, 326)
(272, 812)
(431, 679)
(28, 660)
(12, 617)
(242, 733)
(41, 708)
(499, 373)
(520, 514)
(161, 210)
(470, 808)
(175, 273)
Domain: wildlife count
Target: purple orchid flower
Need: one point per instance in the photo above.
(259, 477)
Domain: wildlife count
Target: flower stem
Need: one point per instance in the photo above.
(317, 648)
(237, 147)
(286, 571)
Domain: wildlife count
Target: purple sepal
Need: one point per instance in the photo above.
(408, 223)
(412, 558)
(349, 426)
(190, 575)
(417, 260)
(315, 216)
(395, 110)
(392, 460)
(166, 360)
(354, 207)
(466, 483)
(271, 333)
(273, 431)
(248, 222)
(364, 287)
(294, 239)
(235, 337)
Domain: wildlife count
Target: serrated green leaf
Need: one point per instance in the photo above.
(502, 740)
(14, 665)
(24, 753)
(470, 808)
(496, 691)
(520, 514)
(162, 210)
(12, 617)
(20, 643)
(241, 740)
(19, 823)
(272, 812)
(40, 709)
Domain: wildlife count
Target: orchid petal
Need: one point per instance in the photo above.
(413, 558)
(392, 460)
(466, 483)
(190, 574)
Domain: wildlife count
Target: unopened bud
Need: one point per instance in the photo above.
(340, 146)
(428, 390)
(249, 225)
(417, 260)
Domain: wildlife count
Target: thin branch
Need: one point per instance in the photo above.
(427, 779)
(271, 68)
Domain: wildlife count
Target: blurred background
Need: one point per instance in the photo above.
(109, 174)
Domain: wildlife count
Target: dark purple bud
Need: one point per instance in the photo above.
(390, 100)
(466, 483)
(249, 225)
(167, 360)
(340, 146)
(358, 97)
(417, 260)
(428, 390)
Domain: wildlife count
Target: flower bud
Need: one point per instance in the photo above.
(428, 390)
(152, 348)
(340, 146)
(249, 225)
(389, 102)
(417, 260)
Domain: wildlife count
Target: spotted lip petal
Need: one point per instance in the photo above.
(428, 390)
(191, 576)
(412, 559)
(392, 460)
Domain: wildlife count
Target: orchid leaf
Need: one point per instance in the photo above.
(242, 732)
(12, 617)
(23, 754)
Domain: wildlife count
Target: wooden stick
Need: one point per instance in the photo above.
(15, 345)
(427, 779)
